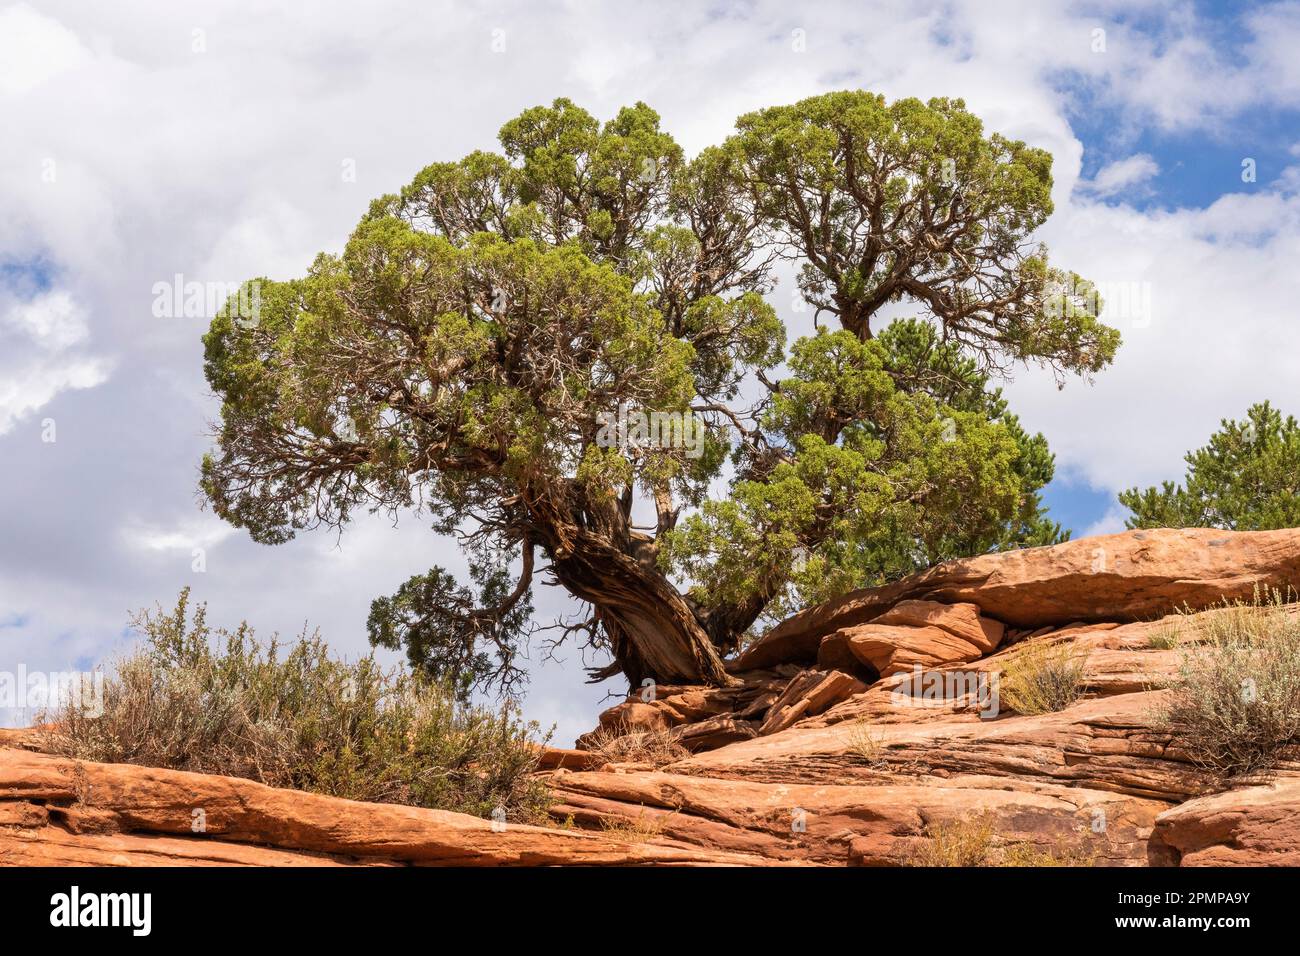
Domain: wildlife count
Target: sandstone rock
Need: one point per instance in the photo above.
(1105, 744)
(961, 620)
(65, 812)
(714, 732)
(1114, 578)
(1249, 826)
(633, 716)
(807, 695)
(842, 763)
(555, 758)
(26, 738)
(911, 633)
(678, 706)
(889, 649)
(855, 824)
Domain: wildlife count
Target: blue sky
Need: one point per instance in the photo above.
(1191, 166)
(145, 140)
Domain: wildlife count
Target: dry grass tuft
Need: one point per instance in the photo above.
(957, 843)
(644, 829)
(1042, 678)
(867, 744)
(1059, 854)
(620, 745)
(973, 842)
(1164, 637)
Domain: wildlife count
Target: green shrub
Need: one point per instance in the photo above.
(1042, 678)
(1163, 638)
(220, 702)
(1234, 706)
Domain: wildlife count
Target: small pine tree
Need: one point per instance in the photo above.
(1246, 479)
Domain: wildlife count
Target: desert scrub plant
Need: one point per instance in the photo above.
(865, 743)
(621, 745)
(1234, 705)
(218, 701)
(973, 841)
(962, 842)
(1163, 638)
(643, 829)
(1060, 853)
(1042, 678)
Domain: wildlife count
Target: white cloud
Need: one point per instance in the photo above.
(38, 355)
(1122, 174)
(1112, 522)
(202, 532)
(52, 321)
(1222, 332)
(34, 49)
(35, 385)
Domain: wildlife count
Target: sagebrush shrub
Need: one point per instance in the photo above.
(1234, 706)
(191, 698)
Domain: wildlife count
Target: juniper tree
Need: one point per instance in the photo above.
(1247, 478)
(464, 353)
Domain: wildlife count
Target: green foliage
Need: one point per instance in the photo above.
(219, 702)
(464, 353)
(883, 201)
(1246, 479)
(447, 634)
(900, 457)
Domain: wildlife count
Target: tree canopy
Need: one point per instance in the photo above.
(1247, 478)
(466, 353)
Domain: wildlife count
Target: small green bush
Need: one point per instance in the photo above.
(1235, 704)
(220, 702)
(1042, 678)
(1163, 638)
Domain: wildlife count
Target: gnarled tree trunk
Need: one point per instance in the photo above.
(654, 632)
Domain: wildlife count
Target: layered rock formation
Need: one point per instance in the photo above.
(1137, 575)
(830, 749)
(60, 812)
(839, 756)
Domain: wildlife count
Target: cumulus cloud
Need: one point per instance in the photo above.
(33, 49)
(1121, 175)
(1112, 522)
(38, 355)
(187, 536)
